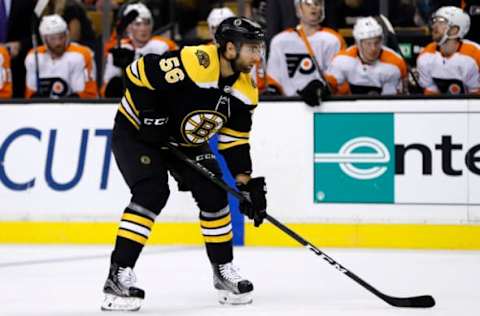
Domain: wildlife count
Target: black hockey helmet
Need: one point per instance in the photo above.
(238, 30)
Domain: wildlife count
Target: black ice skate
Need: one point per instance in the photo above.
(120, 294)
(232, 288)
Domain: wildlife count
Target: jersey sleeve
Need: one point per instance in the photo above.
(335, 74)
(5, 74)
(233, 143)
(30, 78)
(277, 68)
(425, 75)
(233, 140)
(157, 72)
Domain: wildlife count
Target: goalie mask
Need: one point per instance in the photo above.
(453, 17)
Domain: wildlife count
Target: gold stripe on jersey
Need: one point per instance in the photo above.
(131, 103)
(234, 133)
(132, 236)
(219, 239)
(147, 222)
(216, 223)
(245, 90)
(143, 75)
(124, 112)
(131, 75)
(201, 64)
(223, 146)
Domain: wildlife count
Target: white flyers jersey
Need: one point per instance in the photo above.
(290, 65)
(156, 45)
(347, 74)
(5, 74)
(457, 74)
(72, 73)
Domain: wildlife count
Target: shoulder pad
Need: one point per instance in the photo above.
(202, 64)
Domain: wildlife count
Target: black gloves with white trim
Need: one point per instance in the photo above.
(255, 205)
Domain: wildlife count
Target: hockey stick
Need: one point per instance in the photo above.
(423, 301)
(388, 28)
(311, 53)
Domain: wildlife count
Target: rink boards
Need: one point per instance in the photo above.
(371, 173)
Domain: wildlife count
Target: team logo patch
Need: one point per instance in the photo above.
(203, 58)
(299, 62)
(199, 126)
(454, 89)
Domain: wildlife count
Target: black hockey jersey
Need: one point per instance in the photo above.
(185, 86)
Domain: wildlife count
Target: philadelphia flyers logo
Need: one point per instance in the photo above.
(299, 62)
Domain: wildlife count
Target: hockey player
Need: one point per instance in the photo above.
(368, 67)
(64, 69)
(294, 53)
(139, 43)
(451, 64)
(185, 97)
(5, 74)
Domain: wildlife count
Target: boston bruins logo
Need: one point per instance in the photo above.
(203, 58)
(199, 126)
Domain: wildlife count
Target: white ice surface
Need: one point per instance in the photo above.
(67, 281)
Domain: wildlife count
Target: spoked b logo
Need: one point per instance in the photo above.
(354, 158)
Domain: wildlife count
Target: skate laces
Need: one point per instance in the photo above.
(230, 272)
(126, 277)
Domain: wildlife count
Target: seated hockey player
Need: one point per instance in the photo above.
(368, 67)
(64, 69)
(185, 97)
(451, 64)
(295, 53)
(139, 42)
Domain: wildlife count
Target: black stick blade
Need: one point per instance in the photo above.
(424, 301)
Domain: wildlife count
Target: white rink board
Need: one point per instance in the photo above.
(282, 150)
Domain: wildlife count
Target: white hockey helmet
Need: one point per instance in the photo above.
(366, 28)
(454, 16)
(216, 16)
(143, 11)
(52, 24)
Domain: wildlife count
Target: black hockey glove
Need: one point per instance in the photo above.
(122, 57)
(313, 92)
(256, 205)
(153, 128)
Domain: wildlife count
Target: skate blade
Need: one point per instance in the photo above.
(118, 303)
(229, 298)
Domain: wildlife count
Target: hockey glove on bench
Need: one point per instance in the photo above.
(313, 93)
(255, 205)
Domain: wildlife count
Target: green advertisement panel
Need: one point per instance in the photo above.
(354, 157)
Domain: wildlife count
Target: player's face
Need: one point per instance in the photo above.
(439, 27)
(141, 30)
(311, 11)
(56, 43)
(250, 55)
(371, 49)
